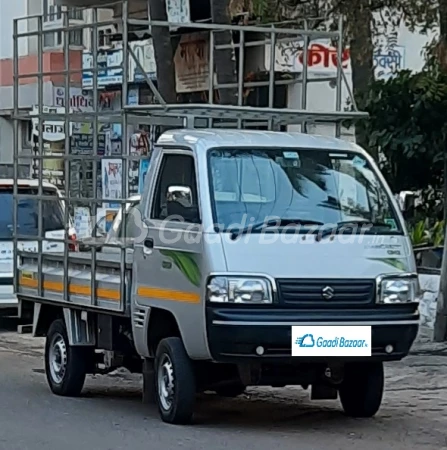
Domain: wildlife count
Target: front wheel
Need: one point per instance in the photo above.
(361, 391)
(175, 382)
(65, 365)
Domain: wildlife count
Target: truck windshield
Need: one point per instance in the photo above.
(28, 213)
(325, 186)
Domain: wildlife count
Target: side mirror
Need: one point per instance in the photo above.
(179, 194)
(179, 202)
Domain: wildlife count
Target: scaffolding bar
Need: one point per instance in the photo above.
(133, 119)
(313, 34)
(66, 150)
(282, 115)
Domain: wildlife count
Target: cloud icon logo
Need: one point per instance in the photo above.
(306, 341)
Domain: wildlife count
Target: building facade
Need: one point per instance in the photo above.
(53, 60)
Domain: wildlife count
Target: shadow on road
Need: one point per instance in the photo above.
(8, 324)
(248, 412)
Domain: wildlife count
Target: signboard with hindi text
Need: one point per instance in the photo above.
(322, 59)
(52, 130)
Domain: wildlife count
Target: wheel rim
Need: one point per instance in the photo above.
(58, 358)
(165, 382)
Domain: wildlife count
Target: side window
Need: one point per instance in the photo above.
(176, 190)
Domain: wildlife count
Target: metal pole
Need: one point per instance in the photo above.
(240, 84)
(40, 37)
(339, 75)
(124, 143)
(211, 76)
(272, 73)
(66, 37)
(15, 149)
(440, 328)
(304, 76)
(95, 149)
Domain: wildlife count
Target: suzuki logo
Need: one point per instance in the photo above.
(327, 292)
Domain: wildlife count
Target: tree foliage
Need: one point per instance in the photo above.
(407, 125)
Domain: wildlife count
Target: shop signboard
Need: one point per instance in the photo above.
(108, 76)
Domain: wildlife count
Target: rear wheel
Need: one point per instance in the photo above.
(361, 391)
(175, 382)
(65, 365)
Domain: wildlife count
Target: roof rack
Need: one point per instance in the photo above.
(278, 116)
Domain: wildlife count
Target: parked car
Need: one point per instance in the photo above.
(116, 231)
(27, 216)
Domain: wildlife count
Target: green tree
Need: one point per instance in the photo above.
(407, 125)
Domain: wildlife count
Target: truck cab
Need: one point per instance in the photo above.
(273, 234)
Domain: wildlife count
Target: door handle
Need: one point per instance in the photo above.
(149, 243)
(148, 246)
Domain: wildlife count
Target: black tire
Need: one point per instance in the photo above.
(230, 391)
(361, 391)
(179, 408)
(71, 382)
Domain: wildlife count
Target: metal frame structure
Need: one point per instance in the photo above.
(186, 115)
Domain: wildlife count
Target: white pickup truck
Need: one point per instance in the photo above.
(264, 258)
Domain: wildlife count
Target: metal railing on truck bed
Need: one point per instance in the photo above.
(99, 281)
(78, 281)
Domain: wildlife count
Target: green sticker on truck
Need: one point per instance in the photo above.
(186, 263)
(397, 263)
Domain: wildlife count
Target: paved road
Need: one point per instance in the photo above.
(111, 416)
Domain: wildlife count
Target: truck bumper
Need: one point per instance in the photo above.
(235, 333)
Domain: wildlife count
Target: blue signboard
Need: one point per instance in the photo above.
(106, 76)
(144, 167)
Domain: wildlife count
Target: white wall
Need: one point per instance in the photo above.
(7, 140)
(103, 15)
(10, 10)
(430, 289)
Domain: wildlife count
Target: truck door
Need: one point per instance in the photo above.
(168, 259)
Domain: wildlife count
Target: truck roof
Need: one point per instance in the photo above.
(209, 138)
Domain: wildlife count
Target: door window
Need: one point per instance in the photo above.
(175, 195)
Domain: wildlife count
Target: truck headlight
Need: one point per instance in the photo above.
(399, 290)
(239, 290)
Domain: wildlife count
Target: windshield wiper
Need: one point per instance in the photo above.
(273, 222)
(351, 224)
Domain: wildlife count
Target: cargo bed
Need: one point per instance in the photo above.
(109, 293)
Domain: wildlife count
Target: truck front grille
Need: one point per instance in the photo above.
(326, 292)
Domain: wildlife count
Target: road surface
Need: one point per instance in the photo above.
(110, 416)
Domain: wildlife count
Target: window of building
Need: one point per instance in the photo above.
(53, 18)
